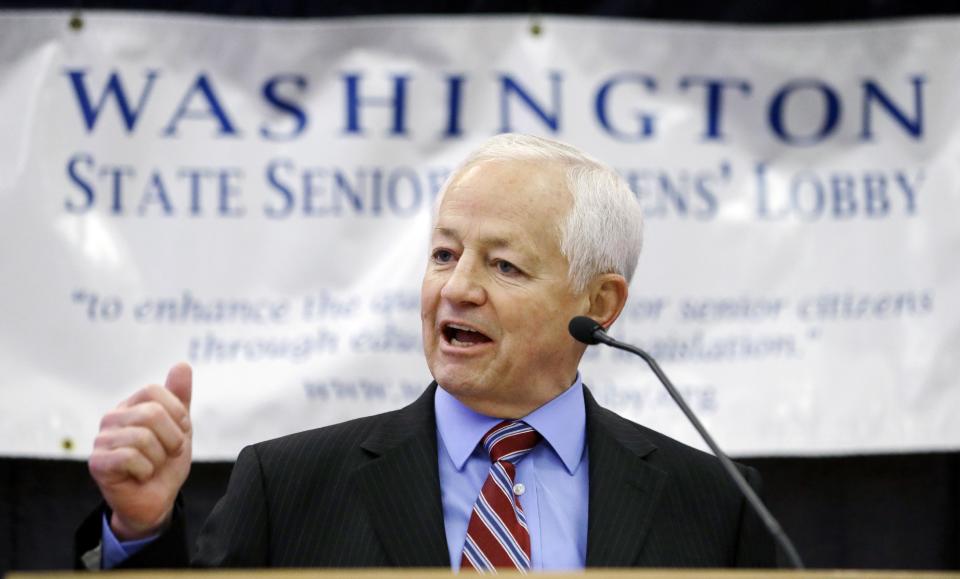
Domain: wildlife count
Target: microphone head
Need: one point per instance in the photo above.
(584, 329)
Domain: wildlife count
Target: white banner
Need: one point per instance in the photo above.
(253, 196)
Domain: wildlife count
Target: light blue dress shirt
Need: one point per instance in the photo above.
(114, 551)
(555, 476)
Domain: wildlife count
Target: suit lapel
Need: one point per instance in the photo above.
(400, 486)
(624, 488)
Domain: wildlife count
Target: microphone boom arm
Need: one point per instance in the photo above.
(596, 334)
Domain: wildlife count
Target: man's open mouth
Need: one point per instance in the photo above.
(462, 336)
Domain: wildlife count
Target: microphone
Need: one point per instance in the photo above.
(589, 332)
(586, 330)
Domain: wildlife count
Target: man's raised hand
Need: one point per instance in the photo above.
(141, 457)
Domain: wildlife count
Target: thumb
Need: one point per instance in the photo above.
(180, 382)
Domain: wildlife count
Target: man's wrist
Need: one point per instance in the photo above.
(113, 551)
(126, 531)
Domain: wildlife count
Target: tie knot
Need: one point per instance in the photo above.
(510, 441)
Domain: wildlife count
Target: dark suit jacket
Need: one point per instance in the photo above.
(366, 493)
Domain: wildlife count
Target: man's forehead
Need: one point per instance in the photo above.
(522, 179)
(515, 190)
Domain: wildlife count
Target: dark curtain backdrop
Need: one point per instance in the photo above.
(881, 512)
(873, 512)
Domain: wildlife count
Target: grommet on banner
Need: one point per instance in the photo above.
(67, 444)
(535, 28)
(76, 22)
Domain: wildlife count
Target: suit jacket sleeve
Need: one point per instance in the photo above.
(237, 532)
(169, 550)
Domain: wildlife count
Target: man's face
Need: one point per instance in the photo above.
(496, 301)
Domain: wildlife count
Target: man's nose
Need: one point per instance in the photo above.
(464, 285)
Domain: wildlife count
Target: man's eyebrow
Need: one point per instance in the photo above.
(495, 242)
(446, 231)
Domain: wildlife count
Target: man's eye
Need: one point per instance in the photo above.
(506, 267)
(442, 256)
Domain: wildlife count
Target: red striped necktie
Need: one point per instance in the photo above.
(497, 535)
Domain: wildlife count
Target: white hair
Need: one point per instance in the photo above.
(603, 233)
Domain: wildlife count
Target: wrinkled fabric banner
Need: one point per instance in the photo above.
(254, 197)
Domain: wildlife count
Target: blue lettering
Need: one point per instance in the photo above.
(203, 87)
(343, 189)
(672, 193)
(644, 121)
(156, 193)
(875, 193)
(831, 112)
(195, 178)
(117, 175)
(114, 87)
(511, 87)
(292, 108)
(229, 190)
(454, 98)
(312, 189)
(88, 194)
(703, 187)
(376, 186)
(844, 196)
(283, 191)
(397, 102)
(873, 93)
(910, 189)
(714, 90)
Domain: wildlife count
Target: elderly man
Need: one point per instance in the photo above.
(506, 461)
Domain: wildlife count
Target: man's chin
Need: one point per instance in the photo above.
(450, 366)
(457, 383)
(462, 382)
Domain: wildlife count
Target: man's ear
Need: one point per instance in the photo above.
(608, 295)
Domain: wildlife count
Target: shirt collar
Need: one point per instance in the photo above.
(561, 422)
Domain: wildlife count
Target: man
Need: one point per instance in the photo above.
(528, 234)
